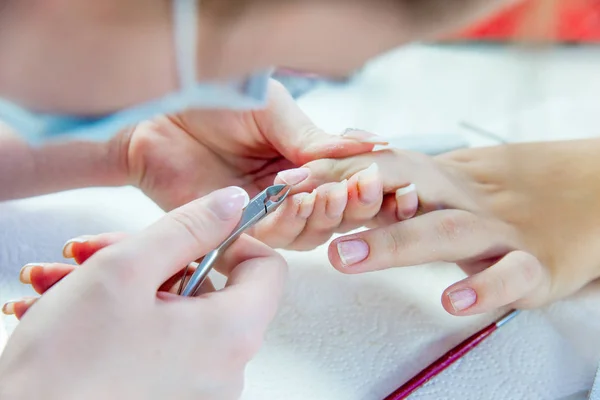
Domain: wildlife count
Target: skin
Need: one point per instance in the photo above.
(523, 240)
(48, 68)
(132, 313)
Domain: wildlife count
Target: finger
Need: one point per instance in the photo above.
(514, 279)
(400, 206)
(295, 136)
(330, 203)
(42, 276)
(281, 228)
(18, 308)
(394, 167)
(365, 196)
(83, 247)
(174, 284)
(446, 235)
(183, 235)
(256, 276)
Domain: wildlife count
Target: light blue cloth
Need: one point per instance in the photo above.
(595, 393)
(242, 94)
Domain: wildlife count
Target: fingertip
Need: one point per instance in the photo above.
(18, 308)
(308, 205)
(71, 243)
(345, 254)
(460, 300)
(407, 202)
(293, 177)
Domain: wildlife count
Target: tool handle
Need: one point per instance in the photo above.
(442, 363)
(200, 274)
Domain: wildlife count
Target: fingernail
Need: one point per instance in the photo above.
(406, 190)
(294, 176)
(406, 206)
(228, 203)
(68, 247)
(337, 200)
(9, 307)
(364, 137)
(352, 252)
(308, 205)
(462, 299)
(369, 187)
(25, 274)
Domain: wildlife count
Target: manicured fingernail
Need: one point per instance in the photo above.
(406, 205)
(25, 274)
(68, 247)
(337, 199)
(228, 203)
(9, 307)
(462, 299)
(369, 185)
(364, 137)
(308, 205)
(294, 176)
(352, 252)
(406, 190)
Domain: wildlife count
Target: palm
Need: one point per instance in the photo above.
(177, 159)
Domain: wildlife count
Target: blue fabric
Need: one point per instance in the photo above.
(38, 128)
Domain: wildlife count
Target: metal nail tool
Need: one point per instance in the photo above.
(259, 207)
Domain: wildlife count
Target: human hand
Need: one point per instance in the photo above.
(102, 331)
(520, 220)
(176, 159)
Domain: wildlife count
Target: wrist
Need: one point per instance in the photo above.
(27, 171)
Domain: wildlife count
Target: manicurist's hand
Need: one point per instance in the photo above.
(114, 329)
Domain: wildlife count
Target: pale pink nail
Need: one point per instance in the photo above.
(9, 307)
(406, 190)
(369, 189)
(308, 205)
(228, 203)
(294, 176)
(407, 206)
(352, 252)
(462, 299)
(337, 200)
(364, 137)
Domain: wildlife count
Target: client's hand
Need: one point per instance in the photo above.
(523, 221)
(108, 331)
(175, 159)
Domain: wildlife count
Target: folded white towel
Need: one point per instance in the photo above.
(347, 337)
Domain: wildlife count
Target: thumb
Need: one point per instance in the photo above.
(297, 138)
(181, 236)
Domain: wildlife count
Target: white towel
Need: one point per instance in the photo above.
(347, 337)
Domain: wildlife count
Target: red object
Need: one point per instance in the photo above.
(442, 363)
(575, 21)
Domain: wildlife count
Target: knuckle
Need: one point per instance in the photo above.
(195, 225)
(530, 267)
(114, 267)
(393, 241)
(452, 225)
(499, 288)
